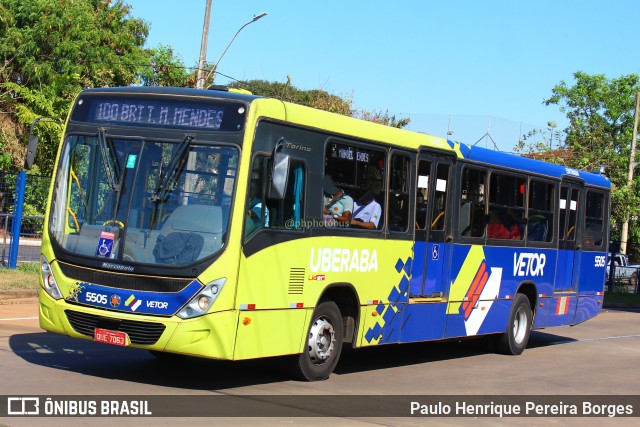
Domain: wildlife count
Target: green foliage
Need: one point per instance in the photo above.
(5, 156)
(287, 92)
(622, 298)
(165, 69)
(382, 118)
(63, 46)
(25, 277)
(319, 99)
(51, 50)
(601, 117)
(35, 197)
(542, 141)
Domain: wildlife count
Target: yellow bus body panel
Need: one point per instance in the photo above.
(266, 333)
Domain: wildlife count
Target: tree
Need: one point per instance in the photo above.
(382, 118)
(319, 99)
(287, 92)
(52, 49)
(165, 69)
(601, 116)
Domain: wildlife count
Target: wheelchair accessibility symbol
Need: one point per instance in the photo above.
(105, 244)
(435, 252)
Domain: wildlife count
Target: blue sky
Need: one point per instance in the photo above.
(467, 66)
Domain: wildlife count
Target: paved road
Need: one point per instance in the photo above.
(599, 357)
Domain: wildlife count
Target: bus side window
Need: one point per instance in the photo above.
(264, 213)
(540, 213)
(424, 170)
(399, 192)
(440, 197)
(257, 212)
(288, 213)
(594, 227)
(473, 220)
(357, 176)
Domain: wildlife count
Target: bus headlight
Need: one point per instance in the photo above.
(49, 282)
(203, 300)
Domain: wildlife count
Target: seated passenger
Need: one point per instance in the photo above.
(367, 212)
(495, 229)
(514, 232)
(338, 206)
(256, 209)
(514, 227)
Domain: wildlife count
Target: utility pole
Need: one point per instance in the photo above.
(202, 63)
(632, 164)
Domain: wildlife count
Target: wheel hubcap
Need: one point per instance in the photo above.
(321, 342)
(520, 326)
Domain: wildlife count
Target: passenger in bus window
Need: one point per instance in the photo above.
(256, 208)
(366, 212)
(338, 206)
(496, 229)
(514, 227)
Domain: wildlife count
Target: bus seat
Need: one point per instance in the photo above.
(538, 231)
(86, 241)
(202, 220)
(195, 219)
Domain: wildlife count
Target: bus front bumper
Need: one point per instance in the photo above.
(210, 336)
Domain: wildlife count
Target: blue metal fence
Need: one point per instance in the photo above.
(22, 204)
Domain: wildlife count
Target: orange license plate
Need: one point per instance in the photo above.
(110, 337)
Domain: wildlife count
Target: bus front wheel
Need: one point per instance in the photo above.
(323, 343)
(515, 339)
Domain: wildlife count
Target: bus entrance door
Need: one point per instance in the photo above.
(569, 246)
(432, 248)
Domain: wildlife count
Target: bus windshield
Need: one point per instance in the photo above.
(141, 201)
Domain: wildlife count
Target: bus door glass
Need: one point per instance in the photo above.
(569, 246)
(432, 246)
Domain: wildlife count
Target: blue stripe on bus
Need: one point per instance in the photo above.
(164, 304)
(424, 321)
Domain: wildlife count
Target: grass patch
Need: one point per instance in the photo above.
(23, 277)
(621, 297)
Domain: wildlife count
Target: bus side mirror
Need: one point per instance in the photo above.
(279, 175)
(31, 151)
(33, 140)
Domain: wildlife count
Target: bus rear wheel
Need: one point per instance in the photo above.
(514, 340)
(323, 343)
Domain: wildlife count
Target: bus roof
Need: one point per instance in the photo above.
(519, 163)
(349, 126)
(180, 91)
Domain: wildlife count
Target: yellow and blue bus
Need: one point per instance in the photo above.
(224, 225)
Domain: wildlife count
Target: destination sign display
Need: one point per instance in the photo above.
(349, 153)
(156, 113)
(173, 112)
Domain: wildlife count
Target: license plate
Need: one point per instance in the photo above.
(111, 337)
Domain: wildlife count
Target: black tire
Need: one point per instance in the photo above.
(323, 345)
(514, 340)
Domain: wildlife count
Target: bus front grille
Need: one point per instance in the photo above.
(141, 333)
(124, 281)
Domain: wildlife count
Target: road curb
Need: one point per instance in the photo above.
(620, 305)
(17, 293)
